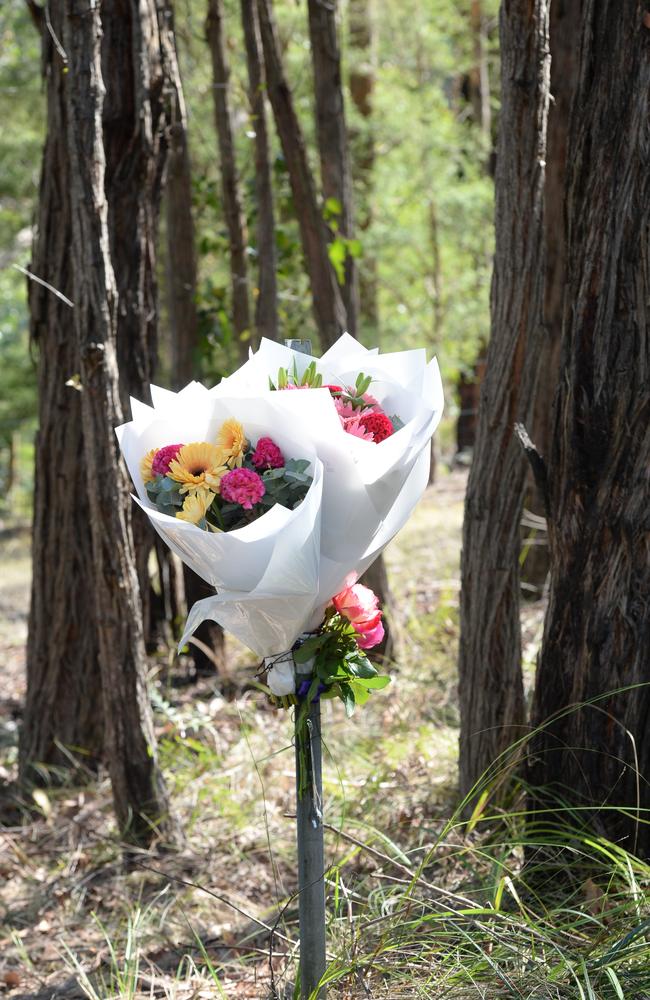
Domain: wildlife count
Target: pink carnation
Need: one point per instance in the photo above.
(361, 607)
(267, 455)
(162, 458)
(242, 486)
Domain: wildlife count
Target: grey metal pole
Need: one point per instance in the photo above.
(309, 826)
(311, 857)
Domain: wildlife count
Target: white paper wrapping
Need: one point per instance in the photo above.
(275, 577)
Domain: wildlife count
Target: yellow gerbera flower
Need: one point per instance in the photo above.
(198, 466)
(232, 440)
(195, 506)
(145, 466)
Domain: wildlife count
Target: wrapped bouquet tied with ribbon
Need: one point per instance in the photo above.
(279, 487)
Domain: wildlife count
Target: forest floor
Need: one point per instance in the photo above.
(419, 903)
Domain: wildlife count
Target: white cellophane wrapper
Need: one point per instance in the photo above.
(273, 587)
(266, 573)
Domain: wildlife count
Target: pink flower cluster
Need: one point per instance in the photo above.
(361, 607)
(369, 423)
(242, 486)
(267, 455)
(162, 458)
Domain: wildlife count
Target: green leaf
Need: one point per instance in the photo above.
(332, 207)
(310, 647)
(376, 683)
(355, 248)
(347, 697)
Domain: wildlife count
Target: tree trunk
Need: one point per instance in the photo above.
(362, 85)
(597, 631)
(181, 270)
(135, 121)
(333, 141)
(63, 705)
(565, 51)
(266, 306)
(232, 205)
(329, 310)
(138, 792)
(490, 680)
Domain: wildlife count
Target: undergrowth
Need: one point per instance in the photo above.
(425, 899)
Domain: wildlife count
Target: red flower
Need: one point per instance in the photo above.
(379, 426)
(333, 388)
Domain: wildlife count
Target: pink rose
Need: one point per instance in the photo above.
(361, 607)
(372, 638)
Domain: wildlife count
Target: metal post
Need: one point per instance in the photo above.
(311, 858)
(309, 825)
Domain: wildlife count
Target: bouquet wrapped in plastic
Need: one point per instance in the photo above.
(361, 419)
(235, 491)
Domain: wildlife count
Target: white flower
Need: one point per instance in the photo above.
(281, 677)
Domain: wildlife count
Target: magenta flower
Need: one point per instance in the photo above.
(242, 486)
(267, 455)
(162, 458)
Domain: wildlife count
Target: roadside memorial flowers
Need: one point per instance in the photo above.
(225, 485)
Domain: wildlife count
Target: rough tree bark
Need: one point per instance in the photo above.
(362, 85)
(332, 138)
(181, 270)
(183, 320)
(329, 310)
(138, 791)
(232, 204)
(266, 306)
(597, 631)
(490, 680)
(63, 713)
(137, 66)
(565, 50)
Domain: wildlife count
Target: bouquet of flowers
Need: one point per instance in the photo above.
(223, 485)
(240, 503)
(279, 496)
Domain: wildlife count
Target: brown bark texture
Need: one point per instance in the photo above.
(63, 704)
(138, 791)
(332, 138)
(181, 276)
(490, 679)
(266, 304)
(232, 204)
(329, 311)
(597, 630)
(138, 60)
(565, 51)
(362, 84)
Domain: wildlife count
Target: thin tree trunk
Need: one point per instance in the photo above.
(565, 52)
(138, 791)
(333, 140)
(181, 272)
(490, 679)
(232, 204)
(266, 306)
(362, 86)
(329, 310)
(597, 631)
(181, 290)
(63, 704)
(135, 121)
